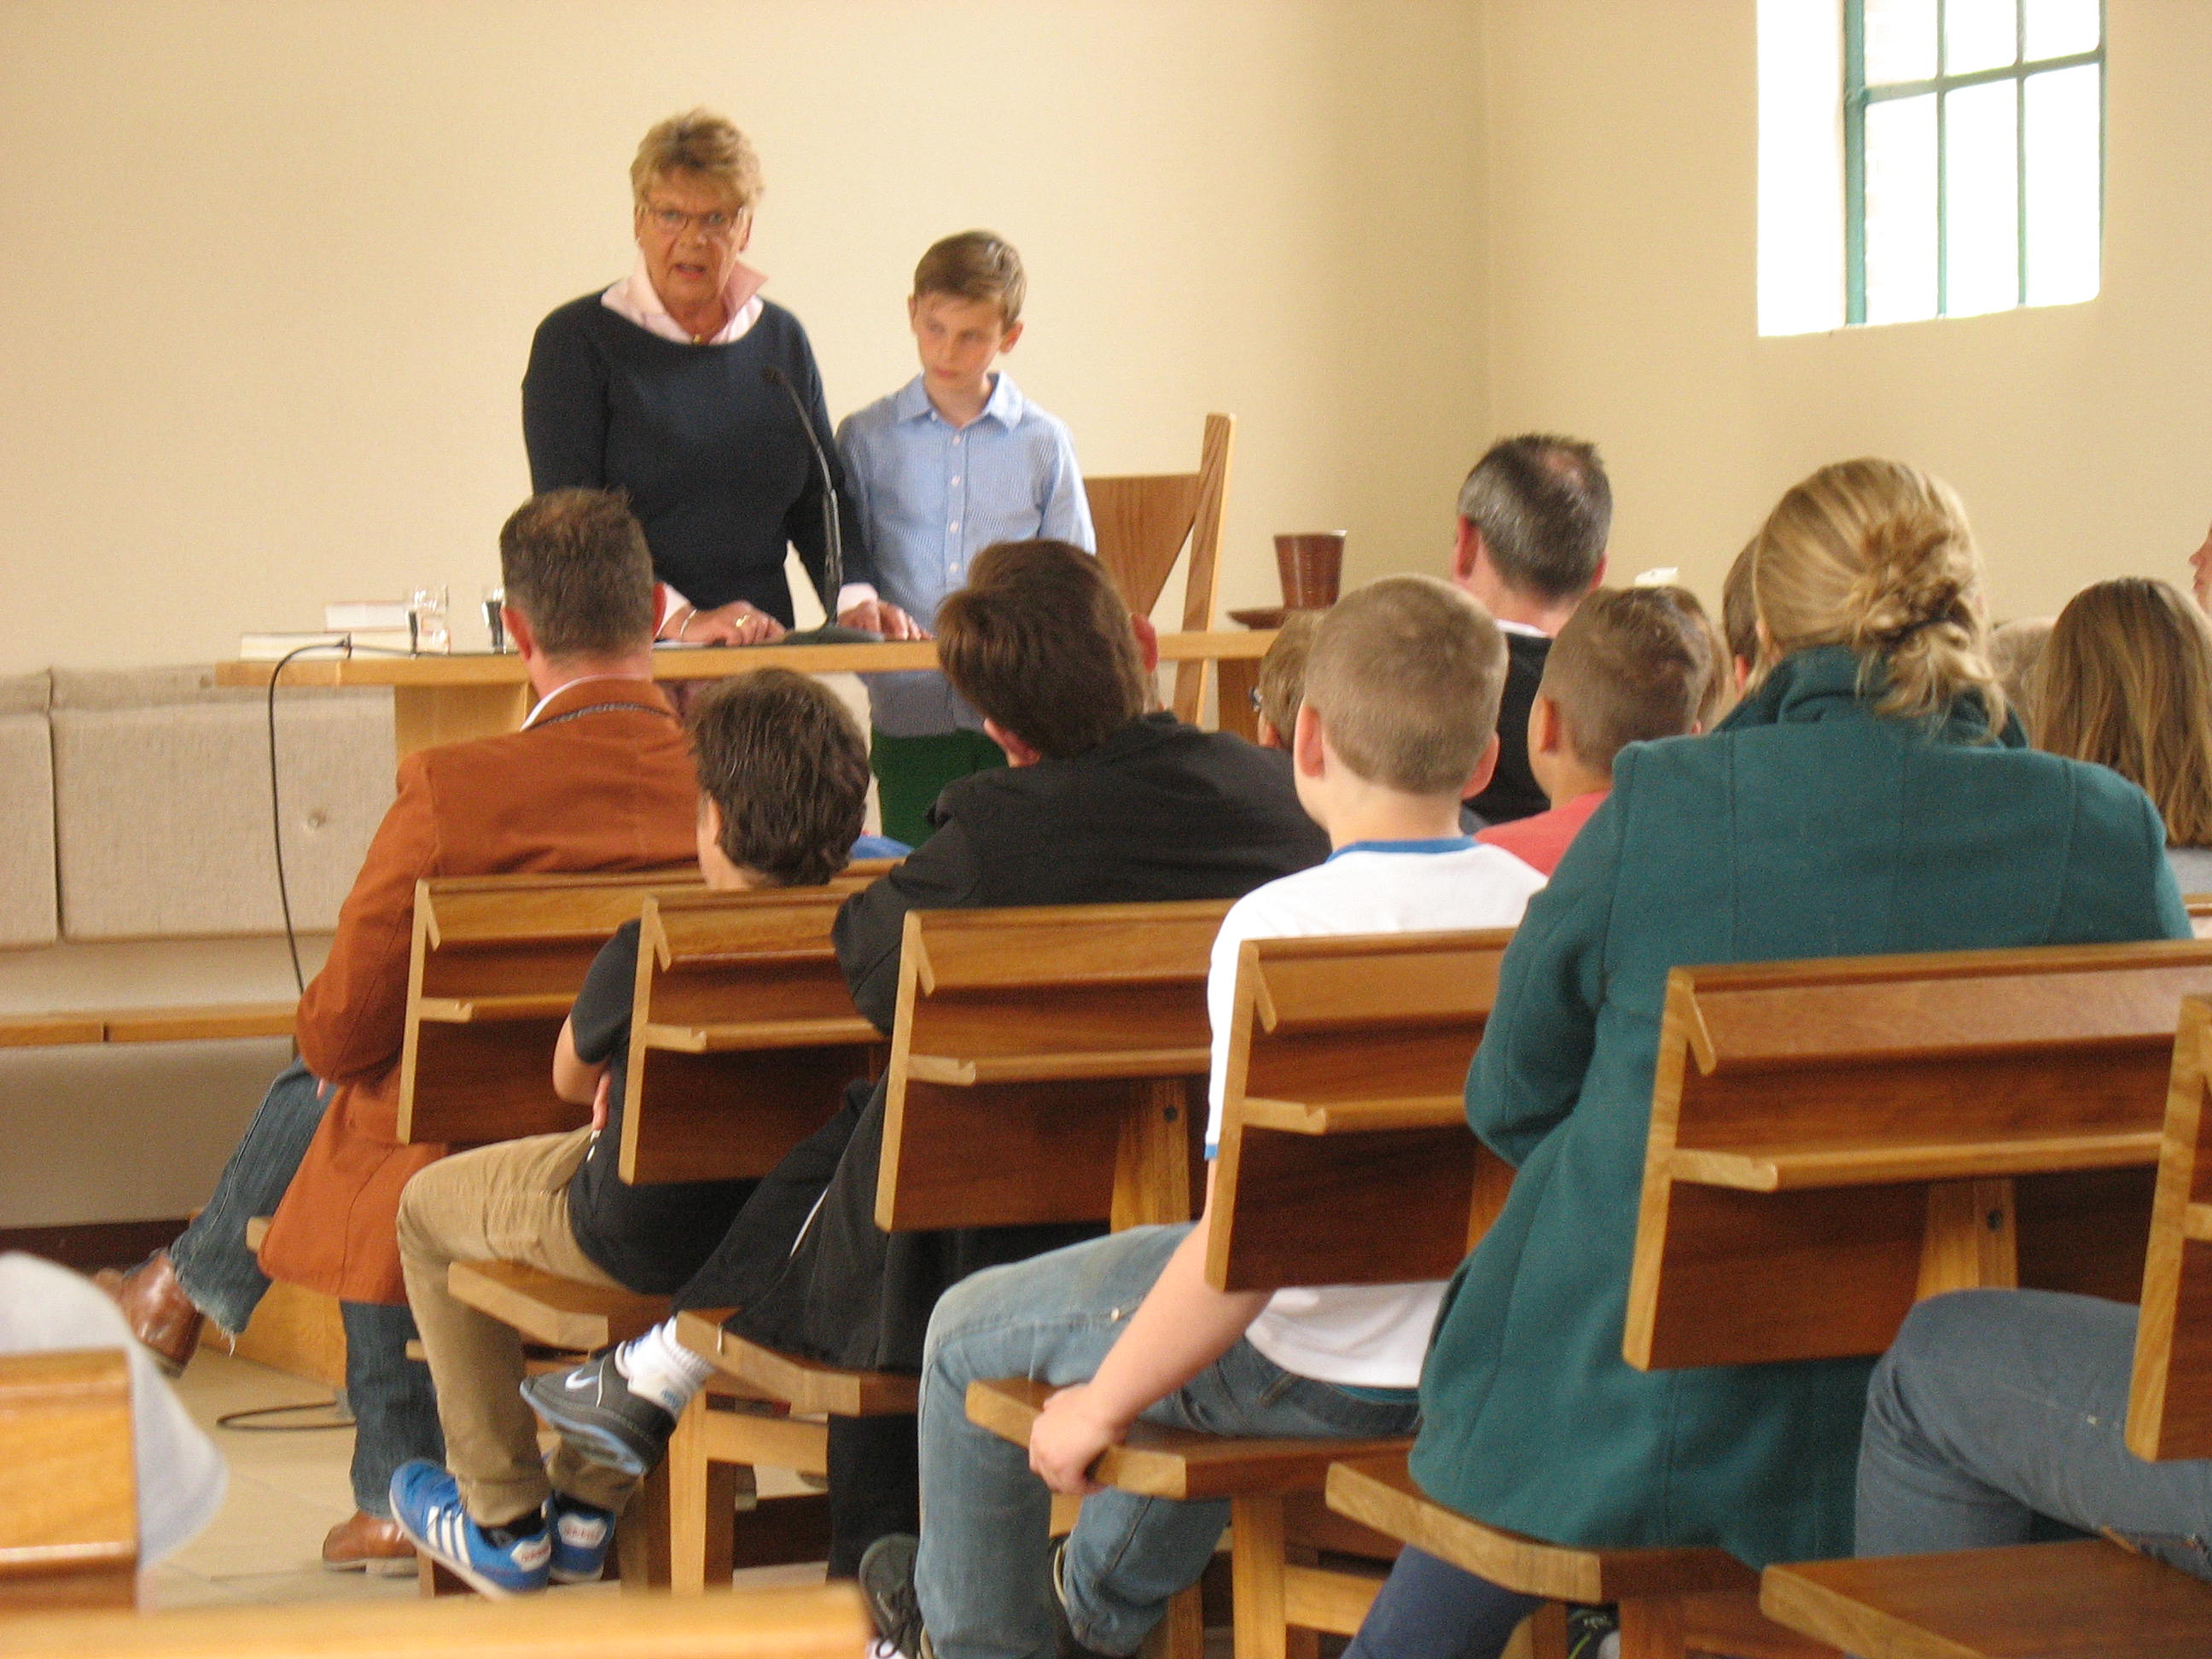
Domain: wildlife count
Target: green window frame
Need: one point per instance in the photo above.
(1858, 95)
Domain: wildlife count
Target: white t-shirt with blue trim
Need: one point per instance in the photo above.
(1369, 1336)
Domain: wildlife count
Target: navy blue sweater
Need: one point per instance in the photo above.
(713, 458)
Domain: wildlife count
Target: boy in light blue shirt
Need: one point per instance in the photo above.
(953, 461)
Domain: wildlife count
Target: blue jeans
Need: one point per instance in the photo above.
(214, 1264)
(1430, 1609)
(395, 1414)
(1995, 1408)
(984, 1575)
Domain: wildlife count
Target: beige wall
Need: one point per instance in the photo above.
(1620, 141)
(269, 268)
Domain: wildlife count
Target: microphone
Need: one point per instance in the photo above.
(833, 528)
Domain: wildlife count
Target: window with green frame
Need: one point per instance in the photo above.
(1974, 155)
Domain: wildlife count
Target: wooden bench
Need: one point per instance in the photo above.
(180, 1023)
(742, 1036)
(2091, 1599)
(1046, 1066)
(1343, 1107)
(822, 1621)
(69, 1514)
(1832, 1141)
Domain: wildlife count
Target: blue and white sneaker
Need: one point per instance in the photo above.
(427, 1504)
(580, 1533)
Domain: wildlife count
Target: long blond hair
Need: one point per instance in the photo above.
(1877, 556)
(2126, 682)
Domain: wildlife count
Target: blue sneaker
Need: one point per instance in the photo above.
(427, 1504)
(580, 1533)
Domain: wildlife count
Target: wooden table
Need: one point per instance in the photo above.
(447, 698)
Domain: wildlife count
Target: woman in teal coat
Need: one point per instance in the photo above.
(1870, 795)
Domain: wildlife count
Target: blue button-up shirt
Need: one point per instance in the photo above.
(931, 495)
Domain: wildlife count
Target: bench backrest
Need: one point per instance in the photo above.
(2170, 1405)
(743, 1035)
(1047, 1065)
(1833, 1139)
(1346, 1156)
(69, 1513)
(496, 961)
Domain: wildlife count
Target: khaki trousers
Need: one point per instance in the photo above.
(505, 1202)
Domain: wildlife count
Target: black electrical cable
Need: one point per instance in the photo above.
(243, 1423)
(276, 808)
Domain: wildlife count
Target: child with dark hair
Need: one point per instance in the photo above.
(1631, 666)
(783, 788)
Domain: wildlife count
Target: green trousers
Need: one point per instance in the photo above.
(912, 772)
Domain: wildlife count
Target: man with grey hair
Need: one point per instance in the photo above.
(1534, 517)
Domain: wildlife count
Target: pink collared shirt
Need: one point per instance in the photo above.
(636, 299)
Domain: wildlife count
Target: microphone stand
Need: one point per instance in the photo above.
(833, 517)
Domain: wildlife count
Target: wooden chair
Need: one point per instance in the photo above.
(742, 1036)
(1343, 1108)
(820, 1621)
(69, 1511)
(2200, 913)
(1142, 523)
(1832, 1141)
(1046, 1067)
(2089, 1599)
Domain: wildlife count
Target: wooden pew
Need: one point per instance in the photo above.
(743, 1037)
(822, 1621)
(1048, 1063)
(1343, 1108)
(68, 1512)
(2091, 1599)
(1832, 1141)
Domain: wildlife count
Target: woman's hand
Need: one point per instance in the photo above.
(734, 623)
(875, 616)
(1067, 1438)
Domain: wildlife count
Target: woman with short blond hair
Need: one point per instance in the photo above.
(2126, 682)
(1869, 795)
(676, 386)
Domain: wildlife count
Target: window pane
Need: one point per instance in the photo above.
(1979, 34)
(2064, 165)
(1900, 209)
(1900, 40)
(2059, 28)
(1981, 207)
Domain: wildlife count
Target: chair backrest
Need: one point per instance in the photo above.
(743, 1034)
(2170, 1404)
(496, 963)
(69, 1511)
(2199, 906)
(1142, 523)
(1345, 1156)
(1047, 1065)
(1831, 1141)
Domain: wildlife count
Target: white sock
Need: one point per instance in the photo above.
(660, 1368)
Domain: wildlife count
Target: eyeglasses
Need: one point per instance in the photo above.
(720, 225)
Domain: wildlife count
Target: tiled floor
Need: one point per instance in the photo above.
(286, 1491)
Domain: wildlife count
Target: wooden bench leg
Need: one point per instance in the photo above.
(431, 1580)
(1651, 1628)
(703, 1502)
(641, 1535)
(1257, 1543)
(1181, 1633)
(1542, 1634)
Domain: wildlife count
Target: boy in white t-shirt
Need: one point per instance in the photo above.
(1398, 727)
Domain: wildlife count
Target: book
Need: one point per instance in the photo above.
(325, 642)
(352, 615)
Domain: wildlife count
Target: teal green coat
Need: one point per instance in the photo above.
(1804, 826)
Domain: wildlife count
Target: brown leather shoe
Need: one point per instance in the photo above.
(361, 1543)
(156, 1308)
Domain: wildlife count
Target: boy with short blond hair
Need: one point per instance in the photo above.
(1398, 725)
(952, 462)
(1633, 664)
